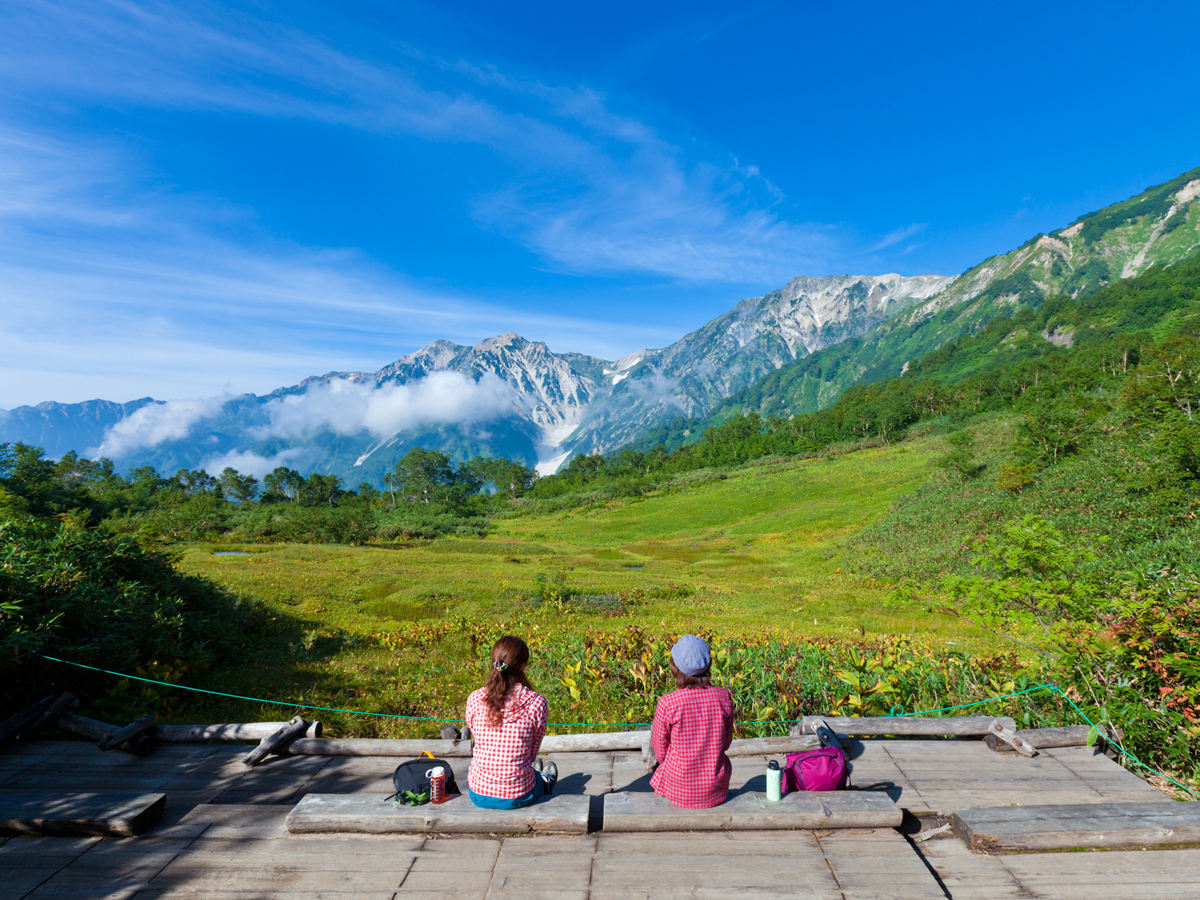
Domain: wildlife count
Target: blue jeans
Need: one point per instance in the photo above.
(539, 788)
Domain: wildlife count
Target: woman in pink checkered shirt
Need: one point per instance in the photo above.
(507, 719)
(693, 727)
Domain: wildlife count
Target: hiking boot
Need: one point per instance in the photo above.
(550, 775)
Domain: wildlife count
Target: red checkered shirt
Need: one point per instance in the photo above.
(693, 728)
(503, 755)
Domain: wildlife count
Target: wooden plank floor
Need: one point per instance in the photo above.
(946, 776)
(874, 863)
(1117, 874)
(223, 837)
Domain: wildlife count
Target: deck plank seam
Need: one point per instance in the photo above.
(495, 862)
(1013, 875)
(164, 865)
(250, 773)
(587, 894)
(929, 866)
(411, 862)
(899, 768)
(1062, 762)
(38, 886)
(829, 865)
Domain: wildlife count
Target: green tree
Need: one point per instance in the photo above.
(368, 492)
(243, 488)
(194, 482)
(506, 475)
(284, 483)
(1055, 428)
(422, 477)
(1030, 575)
(1168, 377)
(321, 489)
(427, 478)
(26, 473)
(959, 460)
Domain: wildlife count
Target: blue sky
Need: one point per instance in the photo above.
(200, 198)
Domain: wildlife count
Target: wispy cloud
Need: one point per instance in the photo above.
(345, 407)
(895, 237)
(117, 290)
(591, 189)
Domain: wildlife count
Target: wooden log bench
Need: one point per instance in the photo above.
(398, 747)
(1078, 826)
(93, 729)
(379, 814)
(752, 811)
(903, 726)
(109, 814)
(551, 744)
(232, 733)
(1062, 736)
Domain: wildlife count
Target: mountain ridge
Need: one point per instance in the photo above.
(1159, 226)
(556, 404)
(791, 350)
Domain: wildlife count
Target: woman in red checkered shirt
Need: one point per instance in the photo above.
(507, 719)
(693, 727)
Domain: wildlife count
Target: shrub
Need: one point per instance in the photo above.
(100, 599)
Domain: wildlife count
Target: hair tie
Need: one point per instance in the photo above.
(500, 664)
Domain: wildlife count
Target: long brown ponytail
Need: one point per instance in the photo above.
(509, 656)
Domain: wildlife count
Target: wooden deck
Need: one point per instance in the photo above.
(223, 836)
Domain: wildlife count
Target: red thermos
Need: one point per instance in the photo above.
(437, 784)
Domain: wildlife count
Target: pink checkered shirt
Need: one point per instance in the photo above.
(693, 728)
(502, 759)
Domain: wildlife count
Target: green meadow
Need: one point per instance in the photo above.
(754, 552)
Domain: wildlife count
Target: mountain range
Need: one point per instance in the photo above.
(793, 350)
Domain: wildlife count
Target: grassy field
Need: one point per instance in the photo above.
(403, 629)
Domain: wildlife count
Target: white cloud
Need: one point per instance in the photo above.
(158, 422)
(896, 236)
(657, 387)
(249, 463)
(348, 408)
(340, 405)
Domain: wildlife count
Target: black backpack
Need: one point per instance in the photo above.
(411, 782)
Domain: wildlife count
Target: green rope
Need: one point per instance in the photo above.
(926, 712)
(22, 656)
(355, 712)
(358, 712)
(1057, 690)
(185, 687)
(1116, 744)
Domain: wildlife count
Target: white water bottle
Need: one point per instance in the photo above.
(774, 781)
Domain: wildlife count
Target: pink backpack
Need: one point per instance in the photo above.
(816, 770)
